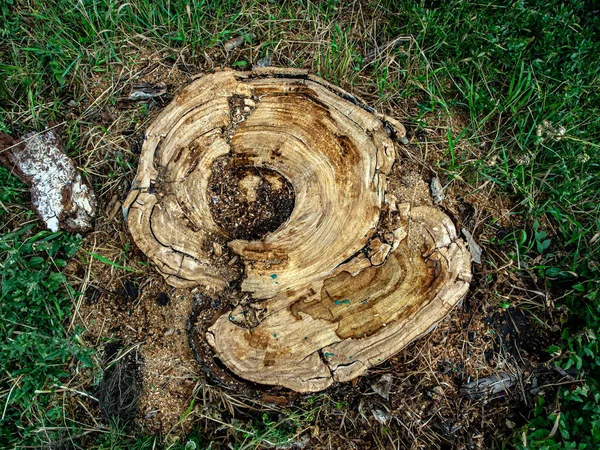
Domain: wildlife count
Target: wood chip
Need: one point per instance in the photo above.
(58, 193)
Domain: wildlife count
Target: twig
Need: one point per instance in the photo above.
(62, 389)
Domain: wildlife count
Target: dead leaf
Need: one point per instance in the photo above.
(474, 247)
(488, 386)
(381, 416)
(267, 61)
(236, 42)
(383, 386)
(437, 191)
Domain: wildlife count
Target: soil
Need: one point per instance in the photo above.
(152, 327)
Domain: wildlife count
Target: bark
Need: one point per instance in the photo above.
(59, 195)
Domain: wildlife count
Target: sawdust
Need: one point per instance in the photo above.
(407, 183)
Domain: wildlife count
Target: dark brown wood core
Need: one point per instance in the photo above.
(248, 202)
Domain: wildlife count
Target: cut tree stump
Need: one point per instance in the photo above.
(274, 191)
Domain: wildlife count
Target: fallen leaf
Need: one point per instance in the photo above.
(381, 416)
(474, 247)
(488, 386)
(264, 62)
(383, 386)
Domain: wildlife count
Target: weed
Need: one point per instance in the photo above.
(111, 263)
(35, 302)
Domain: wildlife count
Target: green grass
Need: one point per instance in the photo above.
(35, 350)
(523, 76)
(11, 191)
(527, 76)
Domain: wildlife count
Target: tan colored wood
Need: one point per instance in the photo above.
(345, 280)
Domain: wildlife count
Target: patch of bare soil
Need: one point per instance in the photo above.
(147, 317)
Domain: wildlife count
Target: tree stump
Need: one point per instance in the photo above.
(274, 190)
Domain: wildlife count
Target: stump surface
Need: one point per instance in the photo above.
(283, 197)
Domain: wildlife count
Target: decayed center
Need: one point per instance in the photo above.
(248, 202)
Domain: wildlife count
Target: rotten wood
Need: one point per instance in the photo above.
(146, 92)
(60, 196)
(269, 189)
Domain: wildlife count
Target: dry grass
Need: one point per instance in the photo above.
(425, 409)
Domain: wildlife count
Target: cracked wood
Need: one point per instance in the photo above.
(270, 190)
